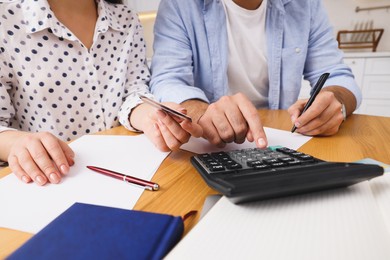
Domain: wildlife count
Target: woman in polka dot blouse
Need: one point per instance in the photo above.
(70, 68)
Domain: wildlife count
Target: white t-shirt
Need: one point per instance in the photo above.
(247, 66)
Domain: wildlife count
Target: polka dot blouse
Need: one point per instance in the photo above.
(49, 81)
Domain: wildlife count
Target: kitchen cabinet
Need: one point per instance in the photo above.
(372, 74)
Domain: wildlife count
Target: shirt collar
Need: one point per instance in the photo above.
(109, 17)
(38, 16)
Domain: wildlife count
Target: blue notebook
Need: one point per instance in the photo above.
(95, 232)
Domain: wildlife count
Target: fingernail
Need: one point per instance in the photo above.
(25, 179)
(40, 180)
(261, 142)
(297, 124)
(54, 178)
(64, 169)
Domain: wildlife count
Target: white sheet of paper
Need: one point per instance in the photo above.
(274, 137)
(335, 224)
(381, 189)
(29, 207)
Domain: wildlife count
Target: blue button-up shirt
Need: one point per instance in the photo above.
(191, 51)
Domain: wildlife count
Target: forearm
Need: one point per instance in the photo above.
(344, 96)
(7, 139)
(195, 108)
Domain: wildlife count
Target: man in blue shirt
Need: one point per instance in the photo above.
(224, 59)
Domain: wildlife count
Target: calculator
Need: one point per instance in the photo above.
(255, 174)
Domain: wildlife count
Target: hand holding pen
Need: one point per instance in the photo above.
(148, 185)
(317, 88)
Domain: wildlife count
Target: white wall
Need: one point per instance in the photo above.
(143, 5)
(342, 15)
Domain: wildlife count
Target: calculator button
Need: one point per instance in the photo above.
(296, 162)
(270, 161)
(234, 166)
(261, 167)
(305, 157)
(285, 150)
(297, 154)
(216, 168)
(278, 164)
(285, 159)
(214, 163)
(219, 154)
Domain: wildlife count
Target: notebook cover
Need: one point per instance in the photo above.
(96, 232)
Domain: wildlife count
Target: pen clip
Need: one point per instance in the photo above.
(146, 187)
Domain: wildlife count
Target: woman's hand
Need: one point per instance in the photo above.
(165, 132)
(39, 157)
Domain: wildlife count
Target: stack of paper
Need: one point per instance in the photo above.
(349, 223)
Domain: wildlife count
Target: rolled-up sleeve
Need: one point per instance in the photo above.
(137, 80)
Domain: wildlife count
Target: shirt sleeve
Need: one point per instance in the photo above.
(138, 77)
(325, 56)
(172, 63)
(7, 110)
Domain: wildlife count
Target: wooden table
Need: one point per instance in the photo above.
(183, 190)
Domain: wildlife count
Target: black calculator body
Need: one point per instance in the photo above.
(256, 174)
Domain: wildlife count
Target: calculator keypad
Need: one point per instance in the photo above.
(253, 158)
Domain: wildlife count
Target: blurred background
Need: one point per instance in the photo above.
(362, 28)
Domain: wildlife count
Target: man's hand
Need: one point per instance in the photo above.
(38, 157)
(230, 119)
(165, 132)
(324, 116)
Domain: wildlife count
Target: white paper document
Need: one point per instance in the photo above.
(29, 207)
(274, 137)
(344, 224)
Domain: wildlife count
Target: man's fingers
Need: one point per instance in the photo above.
(210, 131)
(194, 129)
(218, 115)
(327, 123)
(295, 109)
(238, 123)
(253, 119)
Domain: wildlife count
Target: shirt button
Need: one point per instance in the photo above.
(297, 50)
